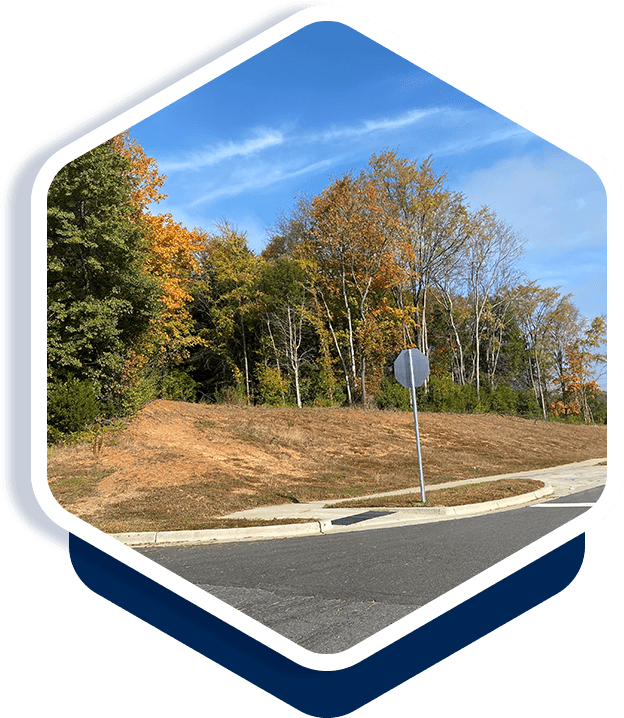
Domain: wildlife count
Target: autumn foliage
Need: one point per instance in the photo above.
(140, 306)
(170, 252)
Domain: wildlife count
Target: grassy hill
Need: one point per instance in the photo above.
(179, 465)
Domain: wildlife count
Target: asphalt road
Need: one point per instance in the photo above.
(329, 592)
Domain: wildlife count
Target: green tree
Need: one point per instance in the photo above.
(99, 298)
(290, 241)
(169, 257)
(225, 311)
(72, 405)
(287, 301)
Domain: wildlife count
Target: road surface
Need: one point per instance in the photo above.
(329, 592)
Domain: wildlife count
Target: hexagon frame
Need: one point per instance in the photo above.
(90, 547)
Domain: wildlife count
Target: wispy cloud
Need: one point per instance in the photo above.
(476, 141)
(369, 126)
(538, 195)
(263, 177)
(269, 156)
(224, 151)
(268, 138)
(260, 171)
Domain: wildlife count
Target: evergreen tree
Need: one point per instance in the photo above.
(99, 298)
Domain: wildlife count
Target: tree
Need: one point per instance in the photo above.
(170, 258)
(291, 239)
(290, 232)
(448, 285)
(575, 371)
(503, 341)
(100, 299)
(286, 296)
(562, 326)
(354, 242)
(141, 172)
(534, 306)
(225, 307)
(434, 223)
(491, 249)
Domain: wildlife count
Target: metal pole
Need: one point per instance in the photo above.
(420, 470)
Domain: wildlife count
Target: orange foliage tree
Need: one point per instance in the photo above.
(170, 252)
(355, 241)
(574, 381)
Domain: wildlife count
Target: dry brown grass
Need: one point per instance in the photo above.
(454, 496)
(180, 465)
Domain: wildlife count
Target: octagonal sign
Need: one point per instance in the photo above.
(234, 166)
(411, 368)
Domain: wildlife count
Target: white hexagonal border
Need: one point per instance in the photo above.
(38, 337)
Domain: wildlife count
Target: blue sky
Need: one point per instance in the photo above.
(320, 102)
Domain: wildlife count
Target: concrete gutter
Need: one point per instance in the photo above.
(401, 516)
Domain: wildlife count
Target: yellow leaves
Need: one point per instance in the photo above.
(171, 248)
(169, 255)
(146, 179)
(356, 234)
(576, 387)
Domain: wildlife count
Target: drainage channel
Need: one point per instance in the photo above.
(356, 518)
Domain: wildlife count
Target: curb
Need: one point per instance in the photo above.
(251, 533)
(317, 528)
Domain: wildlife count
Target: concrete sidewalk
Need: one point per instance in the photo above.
(559, 481)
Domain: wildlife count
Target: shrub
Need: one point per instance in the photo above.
(503, 399)
(322, 389)
(392, 395)
(272, 387)
(135, 395)
(235, 393)
(438, 395)
(470, 401)
(72, 406)
(442, 394)
(526, 404)
(178, 385)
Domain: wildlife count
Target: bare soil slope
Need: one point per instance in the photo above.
(179, 465)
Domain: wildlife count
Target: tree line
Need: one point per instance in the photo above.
(141, 307)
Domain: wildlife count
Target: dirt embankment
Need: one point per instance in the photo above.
(179, 465)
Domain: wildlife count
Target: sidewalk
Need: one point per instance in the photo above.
(559, 481)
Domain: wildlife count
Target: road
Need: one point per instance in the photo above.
(327, 593)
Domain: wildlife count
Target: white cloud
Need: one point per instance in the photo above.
(538, 195)
(480, 140)
(262, 176)
(223, 151)
(375, 125)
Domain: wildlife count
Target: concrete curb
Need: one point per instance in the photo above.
(488, 506)
(401, 516)
(251, 533)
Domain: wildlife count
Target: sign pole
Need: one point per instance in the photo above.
(420, 469)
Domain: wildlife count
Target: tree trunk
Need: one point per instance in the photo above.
(277, 359)
(339, 351)
(424, 339)
(294, 353)
(539, 384)
(350, 327)
(364, 395)
(246, 362)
